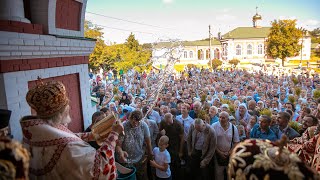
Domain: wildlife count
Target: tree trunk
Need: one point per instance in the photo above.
(283, 62)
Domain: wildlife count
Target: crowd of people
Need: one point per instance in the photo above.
(203, 115)
(196, 124)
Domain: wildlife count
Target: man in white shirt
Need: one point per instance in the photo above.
(228, 136)
(185, 119)
(186, 122)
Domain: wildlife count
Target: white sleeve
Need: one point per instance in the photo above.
(236, 134)
(167, 158)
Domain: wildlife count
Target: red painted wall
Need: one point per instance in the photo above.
(68, 14)
(40, 63)
(20, 27)
(72, 85)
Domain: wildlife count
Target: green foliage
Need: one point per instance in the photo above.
(266, 112)
(132, 55)
(291, 99)
(202, 115)
(179, 68)
(283, 40)
(116, 98)
(315, 35)
(235, 62)
(191, 66)
(316, 94)
(132, 43)
(119, 56)
(315, 32)
(203, 98)
(295, 80)
(294, 125)
(96, 57)
(215, 63)
(297, 91)
(115, 90)
(92, 31)
(232, 109)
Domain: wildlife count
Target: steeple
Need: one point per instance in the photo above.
(256, 19)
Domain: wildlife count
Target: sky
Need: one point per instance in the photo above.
(154, 20)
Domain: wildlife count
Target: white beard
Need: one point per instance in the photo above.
(66, 120)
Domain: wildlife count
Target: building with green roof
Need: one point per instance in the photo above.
(248, 44)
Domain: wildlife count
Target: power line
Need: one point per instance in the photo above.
(126, 20)
(175, 30)
(124, 29)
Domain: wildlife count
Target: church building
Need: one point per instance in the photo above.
(247, 44)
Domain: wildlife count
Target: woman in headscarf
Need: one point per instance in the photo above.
(242, 115)
(260, 105)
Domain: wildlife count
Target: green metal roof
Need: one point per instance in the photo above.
(190, 43)
(247, 32)
(201, 43)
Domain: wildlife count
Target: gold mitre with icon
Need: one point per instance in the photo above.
(47, 99)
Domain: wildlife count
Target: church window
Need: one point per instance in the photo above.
(191, 54)
(207, 54)
(185, 54)
(260, 49)
(238, 50)
(200, 54)
(249, 49)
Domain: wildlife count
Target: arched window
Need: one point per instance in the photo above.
(185, 54)
(199, 54)
(191, 54)
(225, 50)
(207, 54)
(260, 49)
(216, 54)
(238, 50)
(249, 49)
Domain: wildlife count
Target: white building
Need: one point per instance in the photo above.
(248, 44)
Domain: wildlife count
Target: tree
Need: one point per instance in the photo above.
(235, 62)
(121, 56)
(132, 43)
(315, 35)
(283, 39)
(133, 55)
(96, 58)
(215, 63)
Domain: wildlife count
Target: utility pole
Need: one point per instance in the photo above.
(210, 59)
(303, 31)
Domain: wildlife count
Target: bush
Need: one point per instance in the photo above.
(215, 63)
(235, 62)
(191, 66)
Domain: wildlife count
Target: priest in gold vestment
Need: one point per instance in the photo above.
(58, 153)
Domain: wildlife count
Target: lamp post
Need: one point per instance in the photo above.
(210, 59)
(303, 32)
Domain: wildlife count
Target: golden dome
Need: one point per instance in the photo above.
(257, 17)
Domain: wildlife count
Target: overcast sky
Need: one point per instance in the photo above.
(189, 19)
